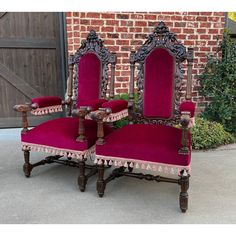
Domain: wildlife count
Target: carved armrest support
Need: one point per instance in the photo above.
(81, 113)
(185, 121)
(69, 103)
(24, 108)
(99, 116)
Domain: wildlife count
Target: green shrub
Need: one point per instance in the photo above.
(218, 82)
(207, 134)
(124, 121)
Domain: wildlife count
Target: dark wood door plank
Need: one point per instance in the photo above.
(18, 82)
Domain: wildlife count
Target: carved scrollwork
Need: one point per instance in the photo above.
(161, 37)
(94, 45)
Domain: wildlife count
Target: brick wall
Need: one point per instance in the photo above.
(122, 31)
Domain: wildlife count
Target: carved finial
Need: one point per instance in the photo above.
(161, 28)
(92, 35)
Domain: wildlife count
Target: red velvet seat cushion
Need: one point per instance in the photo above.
(47, 101)
(116, 105)
(94, 104)
(188, 106)
(146, 142)
(62, 133)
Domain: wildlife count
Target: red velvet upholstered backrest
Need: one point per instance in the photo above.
(89, 76)
(159, 70)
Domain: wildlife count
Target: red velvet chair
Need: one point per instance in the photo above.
(74, 137)
(152, 142)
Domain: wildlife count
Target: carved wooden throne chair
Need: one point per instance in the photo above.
(151, 142)
(70, 140)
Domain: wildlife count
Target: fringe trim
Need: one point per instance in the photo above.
(113, 116)
(144, 165)
(46, 110)
(59, 151)
(116, 116)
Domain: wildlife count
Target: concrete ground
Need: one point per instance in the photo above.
(51, 195)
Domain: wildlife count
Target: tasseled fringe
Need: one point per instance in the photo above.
(116, 116)
(113, 116)
(47, 110)
(56, 151)
(151, 166)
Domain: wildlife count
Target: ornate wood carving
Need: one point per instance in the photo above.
(161, 37)
(184, 121)
(95, 45)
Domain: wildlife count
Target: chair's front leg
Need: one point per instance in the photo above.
(101, 185)
(27, 167)
(183, 197)
(82, 179)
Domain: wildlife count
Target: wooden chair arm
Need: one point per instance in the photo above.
(81, 113)
(185, 121)
(24, 108)
(99, 117)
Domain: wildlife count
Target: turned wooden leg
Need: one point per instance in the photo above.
(82, 179)
(183, 197)
(100, 182)
(27, 167)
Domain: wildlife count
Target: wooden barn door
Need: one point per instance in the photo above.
(32, 61)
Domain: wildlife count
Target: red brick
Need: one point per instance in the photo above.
(112, 22)
(201, 18)
(107, 29)
(213, 19)
(121, 90)
(205, 25)
(205, 13)
(108, 15)
(113, 35)
(201, 31)
(122, 42)
(140, 23)
(189, 18)
(136, 16)
(193, 36)
(188, 31)
(121, 29)
(91, 27)
(109, 42)
(150, 17)
(122, 16)
(135, 29)
(97, 22)
(126, 23)
(219, 14)
(180, 24)
(205, 36)
(93, 15)
(164, 18)
(84, 22)
(79, 14)
(176, 30)
(126, 36)
(175, 18)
